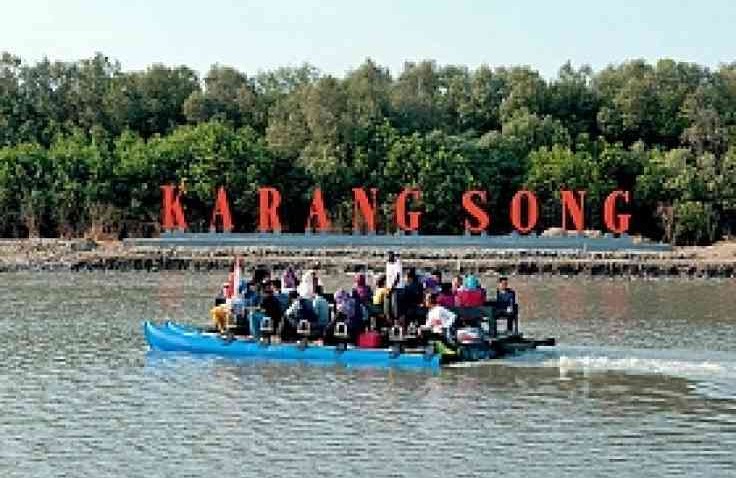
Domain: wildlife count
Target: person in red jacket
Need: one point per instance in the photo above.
(471, 294)
(446, 298)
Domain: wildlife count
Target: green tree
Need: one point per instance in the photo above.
(228, 95)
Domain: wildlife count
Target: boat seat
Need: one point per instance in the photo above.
(267, 326)
(396, 334)
(303, 328)
(489, 313)
(341, 331)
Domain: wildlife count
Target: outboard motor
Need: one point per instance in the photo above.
(471, 345)
(266, 330)
(469, 335)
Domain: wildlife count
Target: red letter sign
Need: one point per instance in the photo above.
(172, 213)
(575, 207)
(532, 211)
(222, 209)
(268, 209)
(401, 214)
(609, 213)
(480, 216)
(317, 211)
(366, 208)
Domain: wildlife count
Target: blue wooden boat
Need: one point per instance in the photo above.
(182, 338)
(174, 337)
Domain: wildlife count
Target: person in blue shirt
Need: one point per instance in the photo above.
(279, 294)
(251, 296)
(506, 305)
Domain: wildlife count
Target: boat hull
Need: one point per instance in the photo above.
(177, 338)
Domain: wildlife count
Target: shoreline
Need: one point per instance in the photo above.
(717, 261)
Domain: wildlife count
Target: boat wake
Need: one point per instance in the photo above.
(712, 373)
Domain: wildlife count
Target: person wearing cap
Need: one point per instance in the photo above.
(506, 305)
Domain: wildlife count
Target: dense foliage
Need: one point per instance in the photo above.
(84, 146)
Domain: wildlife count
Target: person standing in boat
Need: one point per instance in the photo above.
(506, 305)
(394, 271)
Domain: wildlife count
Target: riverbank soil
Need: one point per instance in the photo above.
(718, 260)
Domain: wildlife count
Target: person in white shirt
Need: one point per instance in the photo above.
(394, 272)
(439, 319)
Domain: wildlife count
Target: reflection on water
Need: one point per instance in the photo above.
(643, 383)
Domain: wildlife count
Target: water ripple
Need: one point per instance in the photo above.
(639, 393)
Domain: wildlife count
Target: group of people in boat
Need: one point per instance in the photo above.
(293, 307)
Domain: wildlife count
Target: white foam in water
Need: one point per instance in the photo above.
(638, 365)
(714, 373)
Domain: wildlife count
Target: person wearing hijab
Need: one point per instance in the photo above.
(361, 291)
(307, 288)
(346, 310)
(471, 294)
(288, 280)
(381, 291)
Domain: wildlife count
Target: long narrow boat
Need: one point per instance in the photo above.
(172, 337)
(175, 337)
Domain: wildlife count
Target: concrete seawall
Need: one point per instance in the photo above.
(81, 255)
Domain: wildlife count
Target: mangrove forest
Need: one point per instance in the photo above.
(85, 146)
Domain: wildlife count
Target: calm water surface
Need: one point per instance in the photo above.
(644, 382)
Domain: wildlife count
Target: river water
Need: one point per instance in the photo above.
(643, 382)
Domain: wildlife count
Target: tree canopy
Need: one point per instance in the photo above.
(85, 143)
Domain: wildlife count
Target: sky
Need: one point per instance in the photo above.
(337, 36)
